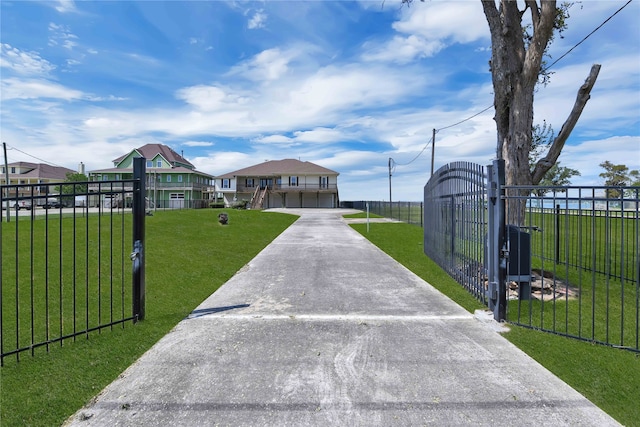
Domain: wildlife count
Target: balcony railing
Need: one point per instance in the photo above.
(158, 185)
(285, 187)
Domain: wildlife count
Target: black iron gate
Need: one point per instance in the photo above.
(66, 255)
(566, 261)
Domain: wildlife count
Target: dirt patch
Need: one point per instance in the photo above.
(545, 287)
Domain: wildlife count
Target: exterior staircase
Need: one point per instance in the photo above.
(258, 198)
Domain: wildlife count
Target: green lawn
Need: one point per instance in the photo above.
(188, 256)
(608, 377)
(46, 389)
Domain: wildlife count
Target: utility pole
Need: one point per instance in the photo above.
(390, 161)
(433, 149)
(6, 174)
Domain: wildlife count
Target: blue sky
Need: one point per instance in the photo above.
(346, 85)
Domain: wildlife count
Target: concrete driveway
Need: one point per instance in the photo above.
(324, 329)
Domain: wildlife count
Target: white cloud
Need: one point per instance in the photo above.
(34, 89)
(221, 162)
(65, 6)
(26, 63)
(427, 29)
(459, 22)
(105, 98)
(335, 88)
(319, 135)
(198, 143)
(402, 49)
(61, 35)
(274, 139)
(270, 64)
(210, 98)
(587, 156)
(258, 20)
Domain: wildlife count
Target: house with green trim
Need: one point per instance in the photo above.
(172, 181)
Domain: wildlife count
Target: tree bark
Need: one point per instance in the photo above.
(515, 69)
(584, 94)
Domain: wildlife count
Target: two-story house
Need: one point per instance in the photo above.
(32, 173)
(172, 181)
(287, 183)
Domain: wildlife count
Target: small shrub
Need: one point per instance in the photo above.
(240, 204)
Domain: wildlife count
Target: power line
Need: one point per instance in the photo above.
(588, 35)
(30, 155)
(467, 119)
(416, 157)
(545, 69)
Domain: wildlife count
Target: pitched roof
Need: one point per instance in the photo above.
(174, 170)
(42, 170)
(150, 151)
(281, 167)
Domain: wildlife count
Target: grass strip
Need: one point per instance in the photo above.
(188, 256)
(608, 377)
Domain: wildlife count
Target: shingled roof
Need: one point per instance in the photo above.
(150, 151)
(281, 167)
(42, 171)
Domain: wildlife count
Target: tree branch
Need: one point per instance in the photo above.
(543, 23)
(535, 12)
(547, 162)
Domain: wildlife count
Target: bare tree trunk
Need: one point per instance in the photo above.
(515, 69)
(584, 93)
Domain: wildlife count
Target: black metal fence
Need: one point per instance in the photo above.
(66, 261)
(456, 223)
(581, 252)
(409, 212)
(559, 259)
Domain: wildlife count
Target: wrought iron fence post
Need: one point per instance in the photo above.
(496, 255)
(137, 256)
(557, 234)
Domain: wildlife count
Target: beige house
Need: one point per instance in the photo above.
(287, 183)
(32, 173)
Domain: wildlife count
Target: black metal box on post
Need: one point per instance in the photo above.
(519, 264)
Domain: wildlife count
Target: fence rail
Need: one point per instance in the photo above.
(409, 212)
(584, 262)
(66, 266)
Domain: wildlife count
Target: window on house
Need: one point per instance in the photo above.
(149, 163)
(117, 177)
(179, 178)
(159, 164)
(249, 182)
(226, 183)
(168, 178)
(324, 182)
(293, 181)
(13, 170)
(105, 177)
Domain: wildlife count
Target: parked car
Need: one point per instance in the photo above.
(17, 204)
(53, 204)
